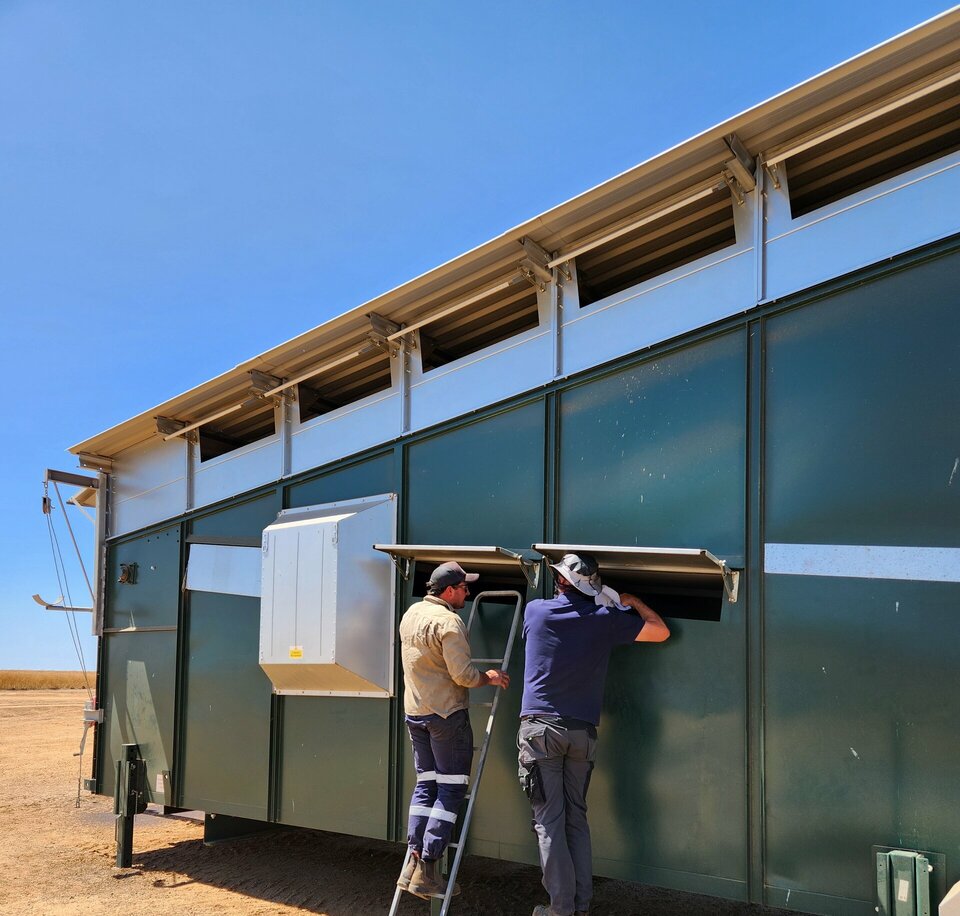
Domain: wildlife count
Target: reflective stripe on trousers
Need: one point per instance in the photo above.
(442, 756)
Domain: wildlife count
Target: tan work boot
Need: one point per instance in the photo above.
(403, 882)
(427, 880)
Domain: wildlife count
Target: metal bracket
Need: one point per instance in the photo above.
(535, 267)
(262, 383)
(741, 165)
(736, 189)
(57, 606)
(92, 462)
(380, 331)
(91, 714)
(731, 582)
(531, 571)
(772, 171)
(75, 480)
(403, 566)
(168, 425)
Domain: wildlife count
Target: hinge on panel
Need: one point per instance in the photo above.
(531, 571)
(535, 267)
(403, 566)
(731, 582)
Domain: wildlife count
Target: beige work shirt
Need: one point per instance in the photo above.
(435, 653)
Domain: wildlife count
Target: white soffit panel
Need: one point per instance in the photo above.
(921, 564)
(224, 570)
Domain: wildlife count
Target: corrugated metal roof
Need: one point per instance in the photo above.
(890, 67)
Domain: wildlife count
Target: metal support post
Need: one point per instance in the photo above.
(129, 799)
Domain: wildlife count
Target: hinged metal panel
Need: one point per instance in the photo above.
(682, 562)
(486, 559)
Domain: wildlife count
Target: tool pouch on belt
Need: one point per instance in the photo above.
(531, 745)
(530, 781)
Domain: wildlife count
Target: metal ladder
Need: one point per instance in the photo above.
(483, 747)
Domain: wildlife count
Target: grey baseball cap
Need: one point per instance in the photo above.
(581, 571)
(450, 574)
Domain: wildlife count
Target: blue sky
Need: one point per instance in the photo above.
(184, 185)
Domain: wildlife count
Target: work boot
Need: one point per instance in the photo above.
(403, 882)
(427, 880)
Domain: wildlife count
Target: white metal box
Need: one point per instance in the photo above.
(327, 599)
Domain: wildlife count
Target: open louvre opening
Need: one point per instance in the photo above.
(343, 385)
(252, 422)
(504, 314)
(703, 227)
(886, 146)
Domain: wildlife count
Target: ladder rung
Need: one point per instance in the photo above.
(486, 703)
(488, 661)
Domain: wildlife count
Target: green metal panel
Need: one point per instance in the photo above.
(226, 730)
(655, 456)
(137, 696)
(862, 400)
(151, 601)
(479, 484)
(366, 478)
(483, 484)
(323, 782)
(138, 669)
(335, 764)
(226, 695)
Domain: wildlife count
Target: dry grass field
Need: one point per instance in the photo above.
(43, 680)
(58, 858)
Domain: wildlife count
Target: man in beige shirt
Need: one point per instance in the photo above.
(437, 672)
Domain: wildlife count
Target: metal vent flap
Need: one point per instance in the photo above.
(681, 563)
(485, 559)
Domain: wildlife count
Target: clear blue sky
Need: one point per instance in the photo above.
(184, 185)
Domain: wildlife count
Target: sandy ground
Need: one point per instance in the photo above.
(56, 858)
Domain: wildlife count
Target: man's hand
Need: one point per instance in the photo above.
(654, 629)
(497, 678)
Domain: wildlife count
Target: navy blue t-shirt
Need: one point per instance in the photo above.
(569, 639)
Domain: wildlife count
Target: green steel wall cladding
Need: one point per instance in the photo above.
(855, 398)
(862, 745)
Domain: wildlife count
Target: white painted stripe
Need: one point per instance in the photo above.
(922, 564)
(427, 776)
(455, 780)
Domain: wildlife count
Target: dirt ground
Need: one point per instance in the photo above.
(58, 859)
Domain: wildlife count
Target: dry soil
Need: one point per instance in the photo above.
(57, 858)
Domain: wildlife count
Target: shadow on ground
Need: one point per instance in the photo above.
(348, 876)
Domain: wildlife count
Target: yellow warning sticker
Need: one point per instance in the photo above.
(296, 652)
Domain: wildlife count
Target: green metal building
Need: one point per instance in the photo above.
(747, 346)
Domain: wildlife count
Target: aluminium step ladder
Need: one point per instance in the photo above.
(483, 747)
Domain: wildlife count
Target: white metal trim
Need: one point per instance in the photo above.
(920, 564)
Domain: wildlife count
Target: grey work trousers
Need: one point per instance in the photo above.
(555, 767)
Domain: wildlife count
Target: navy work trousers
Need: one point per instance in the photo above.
(442, 755)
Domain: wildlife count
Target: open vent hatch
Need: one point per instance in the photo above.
(676, 582)
(875, 143)
(253, 421)
(502, 314)
(367, 373)
(677, 238)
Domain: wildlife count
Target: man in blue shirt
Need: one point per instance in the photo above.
(568, 643)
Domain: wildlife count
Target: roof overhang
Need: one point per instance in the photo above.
(862, 81)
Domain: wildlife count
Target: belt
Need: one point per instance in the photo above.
(568, 723)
